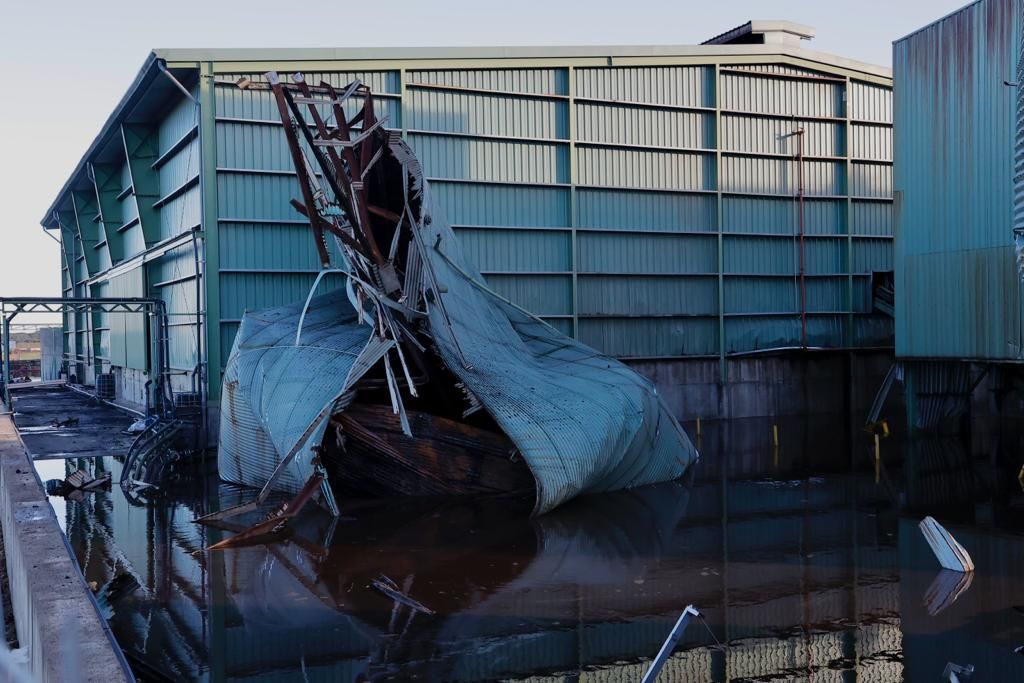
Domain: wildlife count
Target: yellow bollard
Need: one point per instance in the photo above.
(775, 435)
(885, 429)
(878, 460)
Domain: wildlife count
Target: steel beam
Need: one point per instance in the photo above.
(7, 359)
(850, 332)
(573, 200)
(86, 218)
(141, 149)
(723, 368)
(156, 308)
(106, 181)
(210, 234)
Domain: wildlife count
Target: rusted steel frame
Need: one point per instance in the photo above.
(300, 170)
(355, 168)
(384, 213)
(328, 226)
(254, 85)
(336, 161)
(277, 520)
(364, 134)
(343, 197)
(321, 127)
(370, 123)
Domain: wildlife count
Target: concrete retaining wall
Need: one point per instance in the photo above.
(811, 383)
(56, 617)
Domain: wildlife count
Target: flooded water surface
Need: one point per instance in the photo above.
(805, 561)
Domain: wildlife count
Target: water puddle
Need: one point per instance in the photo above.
(805, 564)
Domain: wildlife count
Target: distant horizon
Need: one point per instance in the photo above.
(43, 137)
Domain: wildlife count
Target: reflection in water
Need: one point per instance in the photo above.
(799, 561)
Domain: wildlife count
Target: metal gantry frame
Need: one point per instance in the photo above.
(155, 309)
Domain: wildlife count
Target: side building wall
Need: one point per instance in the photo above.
(958, 294)
(127, 232)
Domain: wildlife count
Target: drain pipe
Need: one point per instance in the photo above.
(163, 69)
(200, 374)
(803, 263)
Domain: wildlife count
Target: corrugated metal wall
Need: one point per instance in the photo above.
(957, 290)
(127, 235)
(645, 209)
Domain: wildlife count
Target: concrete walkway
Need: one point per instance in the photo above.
(98, 429)
(57, 619)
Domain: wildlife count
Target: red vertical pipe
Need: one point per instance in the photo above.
(803, 270)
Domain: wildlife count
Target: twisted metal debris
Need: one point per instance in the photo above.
(416, 378)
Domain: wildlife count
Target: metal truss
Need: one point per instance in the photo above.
(156, 309)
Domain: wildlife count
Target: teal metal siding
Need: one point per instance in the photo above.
(146, 181)
(678, 86)
(594, 196)
(957, 290)
(128, 334)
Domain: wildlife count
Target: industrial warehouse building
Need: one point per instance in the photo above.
(679, 207)
(958, 289)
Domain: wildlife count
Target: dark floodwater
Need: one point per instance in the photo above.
(806, 563)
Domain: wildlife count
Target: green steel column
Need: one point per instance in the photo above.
(141, 150)
(403, 101)
(7, 360)
(67, 237)
(848, 337)
(910, 397)
(82, 205)
(211, 243)
(573, 208)
(722, 367)
(106, 182)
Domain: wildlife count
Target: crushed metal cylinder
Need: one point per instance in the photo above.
(415, 378)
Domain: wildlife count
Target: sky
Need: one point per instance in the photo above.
(68, 63)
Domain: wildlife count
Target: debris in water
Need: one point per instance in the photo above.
(77, 484)
(954, 673)
(153, 453)
(141, 425)
(670, 644)
(410, 376)
(276, 521)
(68, 422)
(389, 588)
(118, 587)
(947, 587)
(951, 555)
